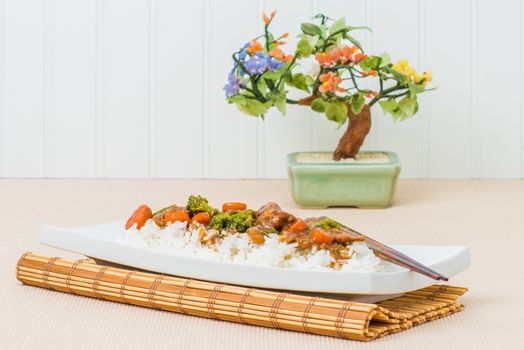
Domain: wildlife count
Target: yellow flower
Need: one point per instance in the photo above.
(402, 66)
(428, 76)
(425, 78)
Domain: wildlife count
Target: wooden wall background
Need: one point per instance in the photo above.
(133, 88)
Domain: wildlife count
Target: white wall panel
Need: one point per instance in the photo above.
(114, 88)
(400, 38)
(23, 88)
(177, 89)
(233, 137)
(499, 88)
(124, 87)
(292, 132)
(450, 110)
(70, 87)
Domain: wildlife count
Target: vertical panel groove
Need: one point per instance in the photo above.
(424, 125)
(260, 134)
(2, 115)
(98, 140)
(521, 90)
(206, 150)
(369, 42)
(313, 6)
(475, 144)
(46, 88)
(150, 93)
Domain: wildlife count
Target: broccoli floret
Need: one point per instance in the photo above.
(198, 204)
(325, 224)
(238, 221)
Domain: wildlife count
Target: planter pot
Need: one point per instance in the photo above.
(363, 185)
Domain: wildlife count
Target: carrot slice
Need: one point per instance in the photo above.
(202, 218)
(139, 217)
(255, 235)
(298, 226)
(174, 216)
(234, 206)
(319, 236)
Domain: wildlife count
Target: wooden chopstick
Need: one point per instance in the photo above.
(396, 257)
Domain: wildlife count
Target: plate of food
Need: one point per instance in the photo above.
(267, 248)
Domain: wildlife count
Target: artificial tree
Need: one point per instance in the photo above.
(262, 73)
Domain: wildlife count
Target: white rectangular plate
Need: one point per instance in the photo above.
(101, 242)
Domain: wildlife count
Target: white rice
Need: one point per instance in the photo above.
(175, 239)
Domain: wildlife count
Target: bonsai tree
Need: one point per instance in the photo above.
(262, 74)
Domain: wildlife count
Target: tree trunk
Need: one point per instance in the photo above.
(358, 128)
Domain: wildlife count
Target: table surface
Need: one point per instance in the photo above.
(487, 216)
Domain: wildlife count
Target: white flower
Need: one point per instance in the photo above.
(314, 69)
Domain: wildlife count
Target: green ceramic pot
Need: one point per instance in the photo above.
(322, 185)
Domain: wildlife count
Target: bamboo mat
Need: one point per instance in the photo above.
(319, 315)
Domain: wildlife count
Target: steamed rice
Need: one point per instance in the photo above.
(177, 240)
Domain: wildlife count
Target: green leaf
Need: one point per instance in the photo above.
(304, 47)
(337, 111)
(350, 28)
(338, 25)
(271, 39)
(312, 39)
(388, 105)
(299, 81)
(357, 103)
(398, 115)
(309, 80)
(372, 62)
(254, 107)
(385, 59)
(310, 29)
(238, 99)
(319, 105)
(280, 103)
(398, 76)
(415, 89)
(274, 75)
(354, 41)
(408, 105)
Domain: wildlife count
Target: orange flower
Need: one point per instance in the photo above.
(265, 19)
(254, 47)
(330, 83)
(359, 57)
(373, 73)
(334, 55)
(285, 35)
(279, 54)
(323, 59)
(347, 52)
(339, 55)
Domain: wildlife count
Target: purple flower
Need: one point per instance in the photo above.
(243, 53)
(273, 64)
(262, 62)
(232, 86)
(256, 65)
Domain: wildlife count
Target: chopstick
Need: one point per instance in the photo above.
(394, 256)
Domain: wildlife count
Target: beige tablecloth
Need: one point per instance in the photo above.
(488, 216)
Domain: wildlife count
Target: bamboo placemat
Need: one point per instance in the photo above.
(318, 315)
